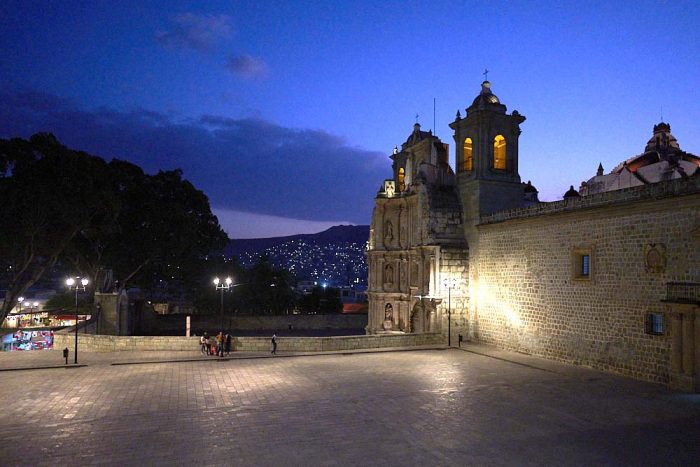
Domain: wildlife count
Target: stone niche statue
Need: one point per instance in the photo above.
(388, 231)
(388, 323)
(389, 188)
(389, 274)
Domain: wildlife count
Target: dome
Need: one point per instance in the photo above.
(571, 193)
(662, 138)
(486, 96)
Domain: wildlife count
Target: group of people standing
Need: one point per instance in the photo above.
(219, 345)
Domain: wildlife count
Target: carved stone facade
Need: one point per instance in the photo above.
(410, 226)
(586, 280)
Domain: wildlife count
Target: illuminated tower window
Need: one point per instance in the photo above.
(499, 152)
(402, 176)
(468, 163)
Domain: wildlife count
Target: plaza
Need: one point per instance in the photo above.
(474, 406)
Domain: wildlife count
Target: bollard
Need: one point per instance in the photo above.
(461, 338)
(65, 354)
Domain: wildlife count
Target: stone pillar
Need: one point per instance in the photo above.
(403, 275)
(380, 274)
(108, 321)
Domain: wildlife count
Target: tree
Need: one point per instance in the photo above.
(163, 231)
(64, 205)
(49, 194)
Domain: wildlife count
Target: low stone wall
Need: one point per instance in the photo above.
(91, 343)
(102, 343)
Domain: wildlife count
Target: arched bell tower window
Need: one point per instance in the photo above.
(499, 152)
(402, 179)
(468, 162)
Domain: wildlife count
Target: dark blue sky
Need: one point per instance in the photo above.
(284, 113)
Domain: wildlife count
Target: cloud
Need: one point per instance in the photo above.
(198, 32)
(249, 165)
(247, 66)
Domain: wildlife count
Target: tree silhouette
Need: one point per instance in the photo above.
(111, 222)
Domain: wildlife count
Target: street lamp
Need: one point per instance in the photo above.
(223, 286)
(20, 300)
(77, 286)
(449, 283)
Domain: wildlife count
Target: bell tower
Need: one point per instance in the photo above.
(487, 157)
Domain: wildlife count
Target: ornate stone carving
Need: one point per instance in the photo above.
(403, 272)
(423, 315)
(389, 188)
(414, 274)
(388, 323)
(388, 231)
(389, 274)
(655, 257)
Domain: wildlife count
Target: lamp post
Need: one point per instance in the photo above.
(76, 284)
(223, 286)
(449, 283)
(20, 300)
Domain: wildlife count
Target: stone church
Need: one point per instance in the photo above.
(608, 277)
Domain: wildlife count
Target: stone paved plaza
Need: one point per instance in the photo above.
(423, 407)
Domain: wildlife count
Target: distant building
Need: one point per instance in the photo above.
(607, 277)
(662, 160)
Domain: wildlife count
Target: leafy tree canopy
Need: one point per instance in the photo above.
(108, 221)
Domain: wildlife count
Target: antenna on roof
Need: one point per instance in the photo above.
(433, 116)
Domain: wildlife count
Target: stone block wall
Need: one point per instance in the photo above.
(89, 343)
(454, 263)
(103, 343)
(530, 300)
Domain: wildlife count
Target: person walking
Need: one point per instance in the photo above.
(274, 343)
(227, 343)
(204, 341)
(220, 344)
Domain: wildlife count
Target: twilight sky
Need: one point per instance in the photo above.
(284, 112)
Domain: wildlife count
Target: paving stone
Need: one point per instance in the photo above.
(425, 407)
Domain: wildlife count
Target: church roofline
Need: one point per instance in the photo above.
(686, 186)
